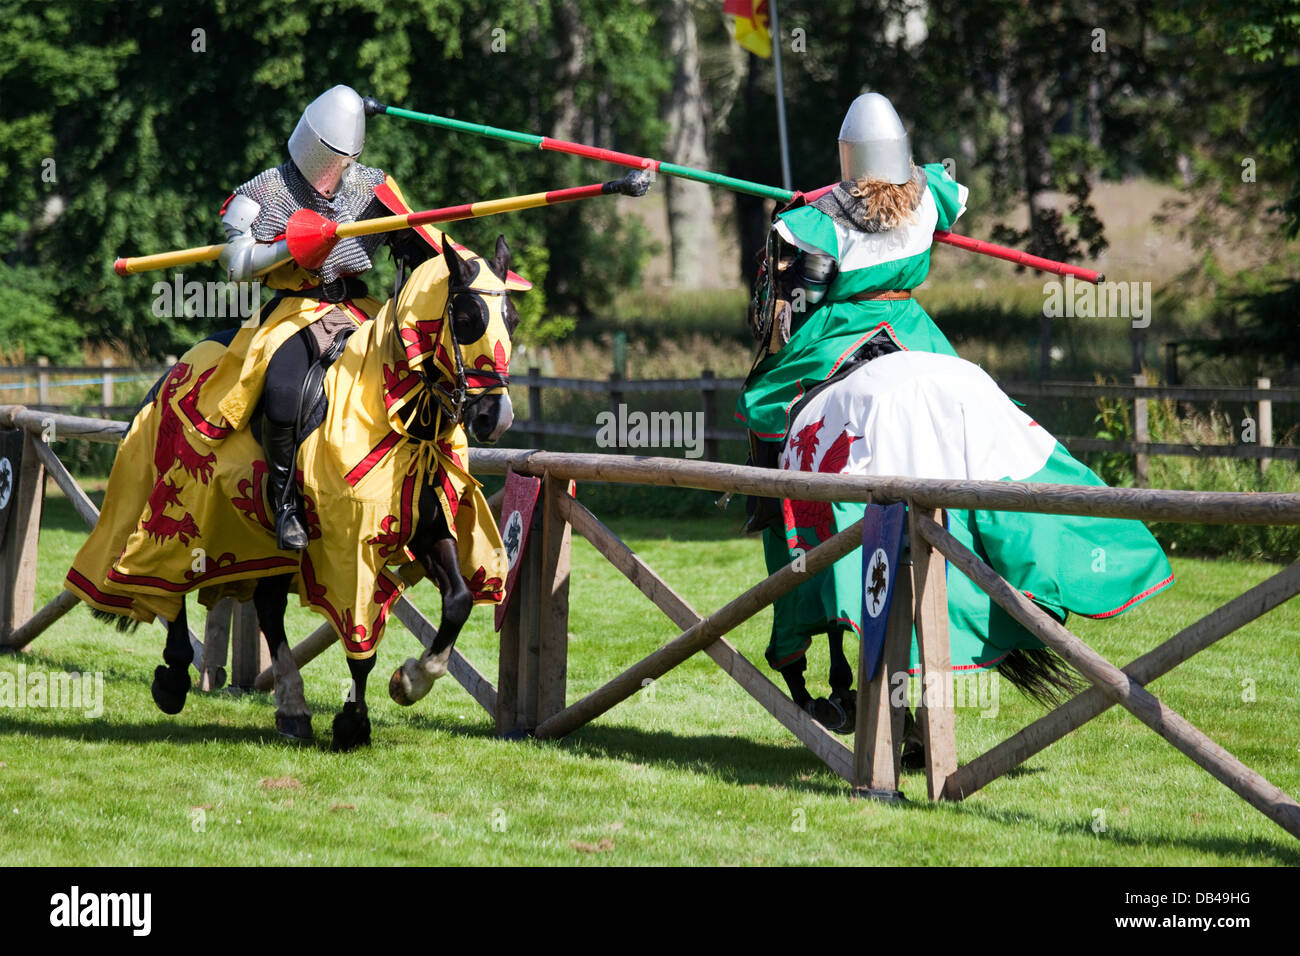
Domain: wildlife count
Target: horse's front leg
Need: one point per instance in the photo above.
(415, 678)
(352, 724)
(292, 715)
(172, 682)
(841, 678)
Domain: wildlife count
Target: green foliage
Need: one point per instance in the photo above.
(1174, 423)
(31, 324)
(150, 134)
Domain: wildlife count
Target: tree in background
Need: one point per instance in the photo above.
(153, 112)
(692, 230)
(1237, 123)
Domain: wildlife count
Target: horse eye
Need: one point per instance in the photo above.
(471, 318)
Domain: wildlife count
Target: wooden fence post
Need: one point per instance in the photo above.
(615, 394)
(534, 406)
(878, 732)
(708, 394)
(18, 557)
(553, 593)
(106, 388)
(216, 644)
(42, 381)
(1044, 347)
(508, 667)
(248, 652)
(1265, 435)
(1141, 433)
(935, 713)
(521, 653)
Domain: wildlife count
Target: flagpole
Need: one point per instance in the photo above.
(780, 97)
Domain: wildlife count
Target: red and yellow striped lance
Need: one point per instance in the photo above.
(311, 236)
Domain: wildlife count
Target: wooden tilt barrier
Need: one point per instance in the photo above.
(531, 693)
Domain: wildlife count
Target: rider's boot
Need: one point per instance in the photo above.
(281, 446)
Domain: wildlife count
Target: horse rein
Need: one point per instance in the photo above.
(454, 406)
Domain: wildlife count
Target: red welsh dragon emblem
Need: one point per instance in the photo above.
(815, 515)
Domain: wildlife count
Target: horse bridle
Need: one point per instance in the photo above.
(454, 405)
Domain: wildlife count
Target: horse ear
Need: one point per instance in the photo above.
(460, 277)
(500, 263)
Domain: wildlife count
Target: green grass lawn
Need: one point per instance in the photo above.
(692, 773)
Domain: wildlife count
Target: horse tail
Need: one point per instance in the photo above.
(122, 622)
(1042, 675)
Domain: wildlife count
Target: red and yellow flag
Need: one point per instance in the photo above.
(752, 25)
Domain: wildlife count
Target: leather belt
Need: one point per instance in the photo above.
(886, 295)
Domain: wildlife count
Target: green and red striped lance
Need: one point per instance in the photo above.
(374, 107)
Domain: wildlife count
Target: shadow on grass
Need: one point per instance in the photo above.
(735, 760)
(142, 732)
(1253, 850)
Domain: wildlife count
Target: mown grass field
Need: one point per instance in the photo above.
(694, 773)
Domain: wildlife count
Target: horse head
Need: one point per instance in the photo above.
(483, 319)
(459, 342)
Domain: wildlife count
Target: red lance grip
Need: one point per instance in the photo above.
(310, 237)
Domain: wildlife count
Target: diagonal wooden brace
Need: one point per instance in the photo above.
(1121, 688)
(1076, 712)
(701, 635)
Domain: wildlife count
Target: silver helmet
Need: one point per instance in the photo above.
(873, 142)
(329, 137)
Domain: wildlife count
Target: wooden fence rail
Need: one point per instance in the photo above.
(1262, 396)
(531, 696)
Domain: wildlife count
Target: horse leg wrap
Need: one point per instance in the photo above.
(414, 679)
(351, 728)
(292, 715)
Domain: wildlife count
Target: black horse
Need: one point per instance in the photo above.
(486, 412)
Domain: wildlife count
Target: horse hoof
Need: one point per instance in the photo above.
(397, 690)
(169, 690)
(294, 727)
(351, 728)
(829, 714)
(847, 702)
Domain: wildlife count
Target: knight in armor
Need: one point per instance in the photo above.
(835, 293)
(316, 305)
(842, 269)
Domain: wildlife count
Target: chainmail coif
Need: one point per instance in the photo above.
(282, 191)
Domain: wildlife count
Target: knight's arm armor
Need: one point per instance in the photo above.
(244, 257)
(815, 272)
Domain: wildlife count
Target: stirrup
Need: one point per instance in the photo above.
(290, 535)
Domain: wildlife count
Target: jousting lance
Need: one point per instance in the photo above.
(374, 107)
(311, 236)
